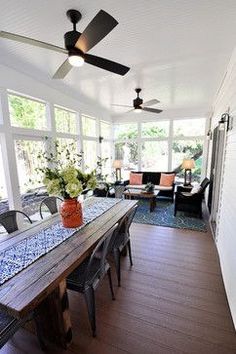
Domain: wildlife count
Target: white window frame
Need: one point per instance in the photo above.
(10, 133)
(170, 139)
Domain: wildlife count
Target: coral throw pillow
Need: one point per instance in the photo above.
(136, 178)
(167, 179)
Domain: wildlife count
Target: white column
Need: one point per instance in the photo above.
(170, 143)
(9, 156)
(139, 147)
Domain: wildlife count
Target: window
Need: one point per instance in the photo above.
(27, 152)
(155, 129)
(187, 149)
(128, 153)
(106, 154)
(66, 121)
(126, 131)
(189, 127)
(67, 150)
(27, 113)
(105, 130)
(89, 126)
(90, 154)
(155, 156)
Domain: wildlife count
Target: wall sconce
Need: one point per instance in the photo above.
(209, 135)
(226, 118)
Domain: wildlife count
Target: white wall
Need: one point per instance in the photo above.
(226, 218)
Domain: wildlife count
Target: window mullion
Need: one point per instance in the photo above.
(9, 156)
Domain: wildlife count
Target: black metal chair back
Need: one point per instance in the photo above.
(204, 184)
(100, 253)
(9, 220)
(129, 218)
(51, 204)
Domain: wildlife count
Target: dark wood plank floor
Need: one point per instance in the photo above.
(171, 301)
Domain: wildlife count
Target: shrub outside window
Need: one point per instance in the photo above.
(27, 113)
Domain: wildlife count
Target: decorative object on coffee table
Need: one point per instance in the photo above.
(149, 188)
(188, 165)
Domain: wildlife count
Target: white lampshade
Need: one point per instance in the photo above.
(188, 164)
(117, 164)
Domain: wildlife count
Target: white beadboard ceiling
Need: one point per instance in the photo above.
(178, 50)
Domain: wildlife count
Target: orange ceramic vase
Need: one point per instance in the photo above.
(71, 213)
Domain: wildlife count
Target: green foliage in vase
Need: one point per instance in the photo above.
(63, 176)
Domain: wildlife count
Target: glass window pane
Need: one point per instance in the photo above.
(90, 154)
(30, 179)
(155, 156)
(27, 152)
(126, 131)
(155, 129)
(67, 149)
(187, 149)
(27, 113)
(128, 153)
(3, 190)
(105, 130)
(89, 126)
(65, 121)
(106, 154)
(189, 127)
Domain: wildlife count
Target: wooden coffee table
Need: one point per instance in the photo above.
(140, 194)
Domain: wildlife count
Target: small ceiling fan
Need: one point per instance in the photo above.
(78, 44)
(139, 105)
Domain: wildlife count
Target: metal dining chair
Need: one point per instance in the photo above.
(9, 220)
(8, 327)
(116, 191)
(50, 203)
(88, 275)
(121, 240)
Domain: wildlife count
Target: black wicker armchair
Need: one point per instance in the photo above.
(190, 202)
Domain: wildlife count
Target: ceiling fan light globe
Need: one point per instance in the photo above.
(138, 110)
(76, 60)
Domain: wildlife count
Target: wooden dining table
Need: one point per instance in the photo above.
(41, 287)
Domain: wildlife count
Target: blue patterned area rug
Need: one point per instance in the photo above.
(164, 216)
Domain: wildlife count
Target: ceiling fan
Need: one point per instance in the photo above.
(78, 44)
(139, 105)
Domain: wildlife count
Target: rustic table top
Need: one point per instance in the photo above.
(22, 293)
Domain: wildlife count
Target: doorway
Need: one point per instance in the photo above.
(216, 175)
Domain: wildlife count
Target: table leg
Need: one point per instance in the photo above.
(152, 204)
(53, 318)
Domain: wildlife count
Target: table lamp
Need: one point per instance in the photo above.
(188, 165)
(117, 164)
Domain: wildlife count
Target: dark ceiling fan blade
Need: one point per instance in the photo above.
(34, 42)
(63, 70)
(150, 103)
(121, 105)
(106, 64)
(97, 29)
(153, 110)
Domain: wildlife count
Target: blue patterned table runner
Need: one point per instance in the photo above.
(19, 256)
